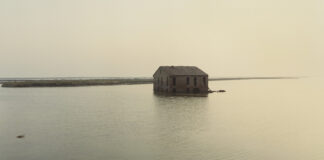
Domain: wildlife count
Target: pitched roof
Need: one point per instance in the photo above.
(182, 70)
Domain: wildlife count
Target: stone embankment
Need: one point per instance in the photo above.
(71, 83)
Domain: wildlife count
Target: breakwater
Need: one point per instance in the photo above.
(71, 83)
(97, 82)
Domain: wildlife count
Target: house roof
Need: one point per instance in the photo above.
(181, 70)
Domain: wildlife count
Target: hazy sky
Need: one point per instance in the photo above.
(45, 38)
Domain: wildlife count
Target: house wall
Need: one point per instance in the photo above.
(164, 83)
(161, 82)
(182, 86)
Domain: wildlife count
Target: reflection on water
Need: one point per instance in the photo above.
(180, 114)
(178, 120)
(256, 119)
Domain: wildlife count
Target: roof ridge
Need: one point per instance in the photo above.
(182, 70)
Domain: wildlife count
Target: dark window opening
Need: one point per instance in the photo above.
(204, 80)
(174, 81)
(174, 90)
(195, 81)
(188, 80)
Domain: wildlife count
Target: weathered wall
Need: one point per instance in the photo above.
(182, 86)
(161, 82)
(164, 83)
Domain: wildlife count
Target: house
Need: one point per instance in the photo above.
(180, 79)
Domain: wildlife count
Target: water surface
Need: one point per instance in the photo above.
(253, 120)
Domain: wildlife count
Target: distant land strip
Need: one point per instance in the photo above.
(101, 82)
(72, 83)
(249, 78)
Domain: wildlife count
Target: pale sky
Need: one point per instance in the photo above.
(50, 38)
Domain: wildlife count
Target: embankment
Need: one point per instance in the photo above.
(97, 82)
(71, 83)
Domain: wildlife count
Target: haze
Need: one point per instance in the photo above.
(132, 38)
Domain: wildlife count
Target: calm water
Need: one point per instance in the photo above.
(253, 120)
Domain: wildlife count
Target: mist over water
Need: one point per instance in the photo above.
(82, 38)
(255, 119)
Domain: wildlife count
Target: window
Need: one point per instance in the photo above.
(161, 81)
(195, 81)
(174, 81)
(188, 80)
(204, 80)
(174, 90)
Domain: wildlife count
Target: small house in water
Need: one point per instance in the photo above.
(180, 79)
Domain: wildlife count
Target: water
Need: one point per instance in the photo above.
(253, 120)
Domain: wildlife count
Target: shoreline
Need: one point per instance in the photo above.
(74, 83)
(106, 82)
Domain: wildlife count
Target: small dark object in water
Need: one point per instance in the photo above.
(21, 136)
(221, 91)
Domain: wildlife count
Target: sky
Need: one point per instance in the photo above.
(122, 38)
